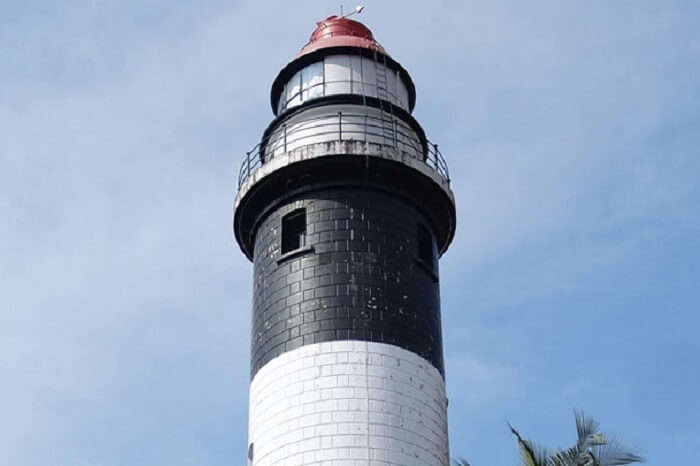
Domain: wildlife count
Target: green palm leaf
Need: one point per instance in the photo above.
(592, 448)
(530, 455)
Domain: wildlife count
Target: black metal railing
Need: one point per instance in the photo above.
(340, 126)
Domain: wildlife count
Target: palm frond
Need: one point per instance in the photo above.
(587, 430)
(592, 448)
(568, 457)
(614, 454)
(530, 455)
(595, 449)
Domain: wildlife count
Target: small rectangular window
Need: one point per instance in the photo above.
(425, 246)
(293, 230)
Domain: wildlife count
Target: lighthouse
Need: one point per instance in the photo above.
(345, 207)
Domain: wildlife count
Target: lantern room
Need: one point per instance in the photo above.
(342, 57)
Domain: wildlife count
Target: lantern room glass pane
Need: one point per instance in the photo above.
(344, 74)
(369, 77)
(337, 74)
(294, 90)
(356, 69)
(282, 104)
(403, 95)
(390, 84)
(312, 81)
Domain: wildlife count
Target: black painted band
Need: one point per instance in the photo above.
(361, 280)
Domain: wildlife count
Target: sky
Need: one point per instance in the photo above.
(571, 130)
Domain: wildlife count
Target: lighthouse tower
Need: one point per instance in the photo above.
(344, 208)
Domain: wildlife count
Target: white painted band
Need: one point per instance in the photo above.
(348, 403)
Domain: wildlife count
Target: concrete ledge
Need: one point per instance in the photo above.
(348, 148)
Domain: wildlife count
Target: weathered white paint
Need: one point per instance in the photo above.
(348, 403)
(345, 148)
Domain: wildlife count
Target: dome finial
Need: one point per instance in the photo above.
(358, 9)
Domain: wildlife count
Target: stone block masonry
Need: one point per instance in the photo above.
(358, 276)
(348, 403)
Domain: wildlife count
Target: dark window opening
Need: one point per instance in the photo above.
(293, 230)
(426, 251)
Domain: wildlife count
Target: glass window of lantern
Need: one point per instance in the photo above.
(312, 81)
(356, 76)
(397, 86)
(282, 103)
(369, 77)
(337, 69)
(294, 90)
(403, 95)
(390, 84)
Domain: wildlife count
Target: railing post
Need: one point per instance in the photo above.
(437, 158)
(365, 129)
(340, 126)
(247, 171)
(284, 126)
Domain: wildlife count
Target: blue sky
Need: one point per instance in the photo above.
(572, 134)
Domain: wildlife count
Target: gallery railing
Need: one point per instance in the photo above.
(340, 126)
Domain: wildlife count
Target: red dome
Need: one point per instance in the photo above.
(337, 31)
